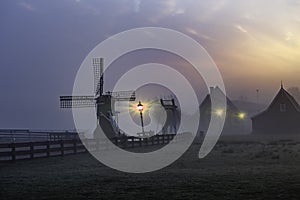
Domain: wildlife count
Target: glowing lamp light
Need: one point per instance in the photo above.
(219, 112)
(140, 107)
(242, 115)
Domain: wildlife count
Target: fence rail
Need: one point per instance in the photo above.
(27, 135)
(30, 150)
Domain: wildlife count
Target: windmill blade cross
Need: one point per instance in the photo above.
(98, 75)
(123, 95)
(77, 101)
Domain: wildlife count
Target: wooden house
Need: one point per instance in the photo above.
(235, 118)
(281, 117)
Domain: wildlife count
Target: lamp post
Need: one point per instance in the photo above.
(140, 108)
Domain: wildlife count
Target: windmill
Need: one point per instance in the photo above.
(173, 118)
(104, 103)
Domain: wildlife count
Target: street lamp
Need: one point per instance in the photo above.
(219, 112)
(140, 108)
(242, 115)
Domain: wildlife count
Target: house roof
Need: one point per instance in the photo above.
(293, 100)
(282, 92)
(230, 104)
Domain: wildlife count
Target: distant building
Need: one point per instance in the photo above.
(281, 117)
(234, 121)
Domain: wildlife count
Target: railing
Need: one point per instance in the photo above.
(27, 135)
(131, 141)
(30, 150)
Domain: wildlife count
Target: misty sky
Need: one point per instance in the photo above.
(255, 44)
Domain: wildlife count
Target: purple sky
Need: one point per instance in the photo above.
(254, 43)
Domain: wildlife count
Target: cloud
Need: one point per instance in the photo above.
(27, 6)
(198, 34)
(137, 5)
(259, 35)
(191, 31)
(157, 10)
(289, 36)
(180, 11)
(241, 29)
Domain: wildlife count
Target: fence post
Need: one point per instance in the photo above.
(125, 140)
(13, 152)
(31, 150)
(48, 148)
(158, 139)
(75, 145)
(132, 142)
(62, 147)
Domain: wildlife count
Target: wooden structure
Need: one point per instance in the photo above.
(173, 116)
(281, 117)
(30, 150)
(104, 102)
(27, 135)
(234, 121)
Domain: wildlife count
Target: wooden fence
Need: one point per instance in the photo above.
(31, 150)
(27, 135)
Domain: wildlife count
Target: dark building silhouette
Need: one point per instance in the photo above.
(104, 102)
(173, 116)
(281, 117)
(104, 115)
(234, 121)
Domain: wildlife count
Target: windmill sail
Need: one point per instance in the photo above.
(98, 76)
(123, 95)
(77, 101)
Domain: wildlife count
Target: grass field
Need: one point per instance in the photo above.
(237, 168)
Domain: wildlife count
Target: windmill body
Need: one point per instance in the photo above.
(104, 103)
